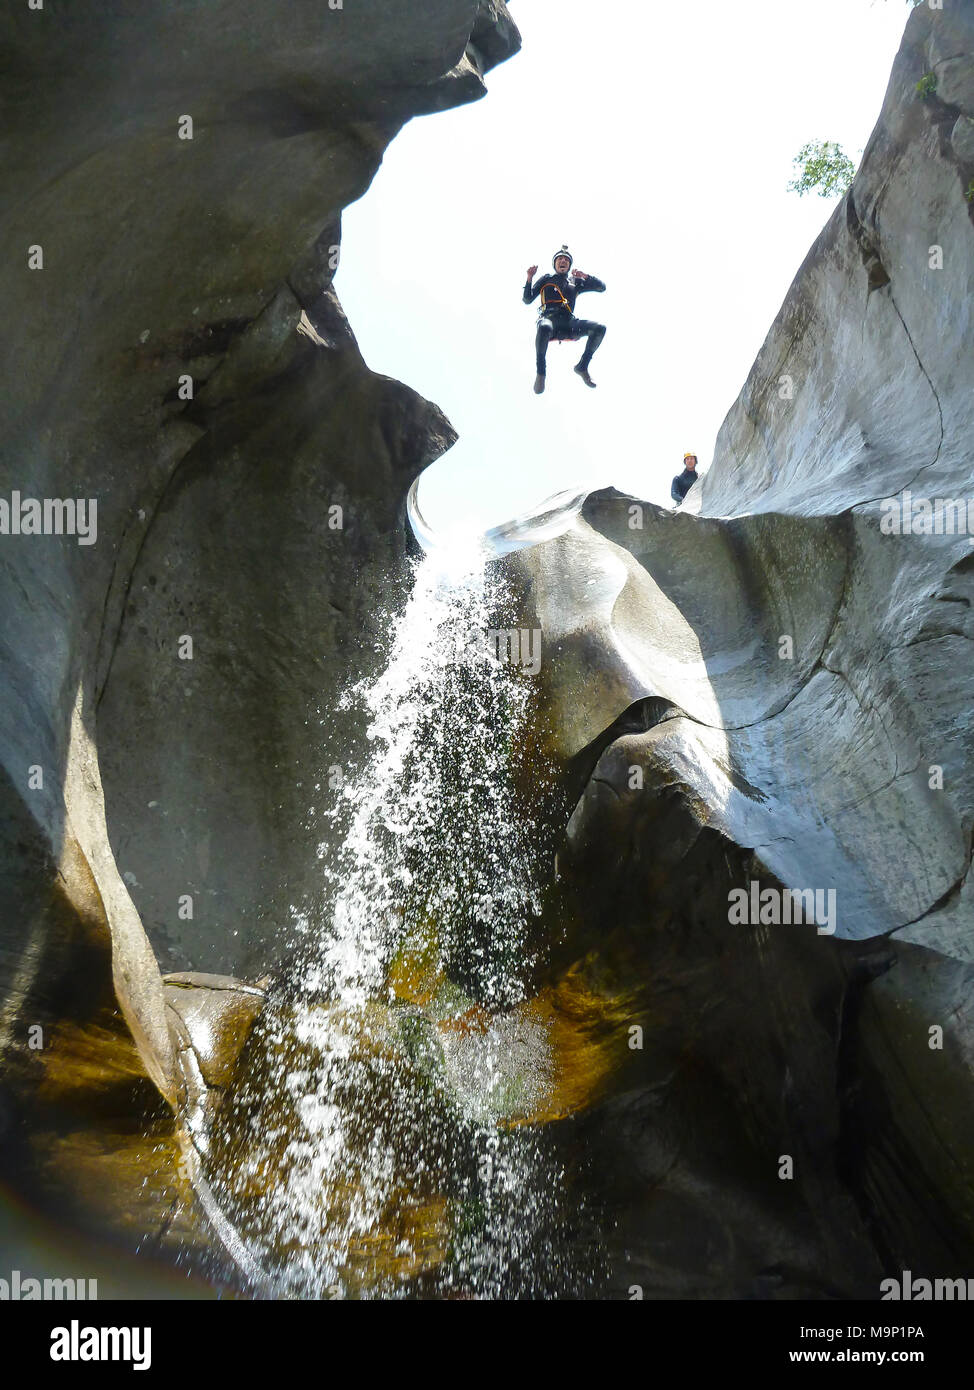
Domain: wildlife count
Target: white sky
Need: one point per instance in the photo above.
(657, 140)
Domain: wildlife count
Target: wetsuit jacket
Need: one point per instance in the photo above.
(559, 292)
(682, 484)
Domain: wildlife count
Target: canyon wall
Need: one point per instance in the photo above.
(173, 181)
(773, 686)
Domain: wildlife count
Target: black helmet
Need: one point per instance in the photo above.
(563, 252)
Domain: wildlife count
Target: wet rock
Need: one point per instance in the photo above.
(216, 1013)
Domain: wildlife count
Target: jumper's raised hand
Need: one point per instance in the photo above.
(532, 271)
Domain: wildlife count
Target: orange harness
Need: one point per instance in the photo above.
(553, 303)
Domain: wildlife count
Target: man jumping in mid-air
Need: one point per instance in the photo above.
(558, 291)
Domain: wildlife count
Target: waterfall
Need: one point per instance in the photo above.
(381, 1142)
(432, 832)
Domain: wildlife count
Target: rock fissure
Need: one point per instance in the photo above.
(945, 898)
(936, 395)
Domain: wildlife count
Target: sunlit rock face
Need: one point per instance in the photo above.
(862, 389)
(173, 180)
(772, 687)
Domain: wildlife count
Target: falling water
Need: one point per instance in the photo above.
(382, 1144)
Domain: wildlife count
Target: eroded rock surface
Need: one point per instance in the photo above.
(770, 687)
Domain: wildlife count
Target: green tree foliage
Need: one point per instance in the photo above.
(822, 167)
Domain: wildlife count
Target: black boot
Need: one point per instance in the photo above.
(538, 384)
(582, 371)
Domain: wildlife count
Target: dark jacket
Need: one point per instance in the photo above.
(559, 292)
(682, 484)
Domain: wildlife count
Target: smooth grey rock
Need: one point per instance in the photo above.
(955, 82)
(211, 258)
(962, 139)
(816, 761)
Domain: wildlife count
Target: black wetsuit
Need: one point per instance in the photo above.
(557, 320)
(682, 484)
